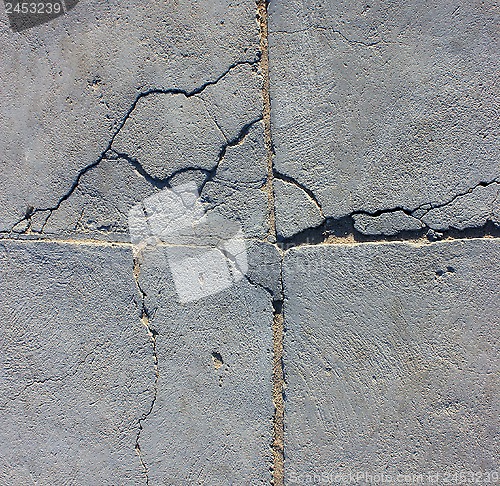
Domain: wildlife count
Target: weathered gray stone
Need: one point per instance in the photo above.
(69, 84)
(245, 164)
(169, 132)
(150, 360)
(471, 210)
(77, 365)
(386, 224)
(380, 106)
(235, 100)
(391, 359)
(212, 418)
(101, 202)
(295, 210)
(264, 267)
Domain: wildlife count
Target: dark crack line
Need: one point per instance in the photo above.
(157, 182)
(425, 206)
(210, 174)
(291, 180)
(152, 333)
(32, 211)
(245, 130)
(344, 226)
(469, 191)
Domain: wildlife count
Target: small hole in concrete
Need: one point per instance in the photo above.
(217, 359)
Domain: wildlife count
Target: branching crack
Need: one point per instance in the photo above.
(426, 207)
(334, 228)
(31, 211)
(210, 174)
(152, 333)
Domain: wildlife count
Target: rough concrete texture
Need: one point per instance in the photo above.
(380, 106)
(391, 359)
(69, 86)
(386, 224)
(77, 367)
(211, 420)
(295, 210)
(198, 204)
(471, 210)
(104, 109)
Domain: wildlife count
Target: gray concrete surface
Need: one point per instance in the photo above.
(69, 85)
(212, 417)
(295, 210)
(391, 360)
(158, 167)
(77, 367)
(378, 107)
(102, 109)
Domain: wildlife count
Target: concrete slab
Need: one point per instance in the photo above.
(295, 210)
(391, 361)
(384, 106)
(70, 84)
(94, 367)
(212, 418)
(77, 365)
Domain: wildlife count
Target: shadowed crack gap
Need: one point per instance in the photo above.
(165, 182)
(342, 231)
(32, 211)
(333, 228)
(145, 319)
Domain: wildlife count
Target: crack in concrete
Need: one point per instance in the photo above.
(344, 227)
(426, 207)
(159, 183)
(341, 231)
(152, 333)
(31, 210)
(262, 18)
(210, 174)
(328, 233)
(302, 187)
